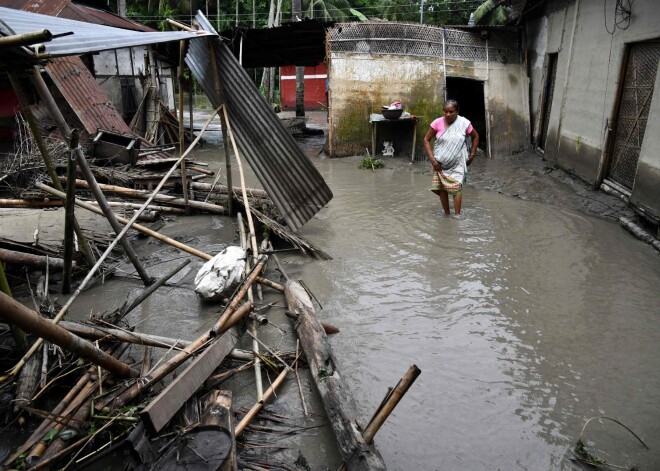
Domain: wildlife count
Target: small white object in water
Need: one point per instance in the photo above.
(388, 149)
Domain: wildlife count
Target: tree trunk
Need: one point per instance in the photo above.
(121, 8)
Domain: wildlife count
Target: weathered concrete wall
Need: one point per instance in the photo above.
(588, 68)
(646, 192)
(360, 84)
(535, 67)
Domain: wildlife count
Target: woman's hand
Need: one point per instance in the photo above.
(436, 166)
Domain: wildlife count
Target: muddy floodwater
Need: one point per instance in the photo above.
(526, 318)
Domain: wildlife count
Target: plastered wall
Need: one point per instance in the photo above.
(588, 69)
(360, 84)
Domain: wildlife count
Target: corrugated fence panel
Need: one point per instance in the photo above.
(290, 178)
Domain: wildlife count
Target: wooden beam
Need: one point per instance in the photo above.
(337, 399)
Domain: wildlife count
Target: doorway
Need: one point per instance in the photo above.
(469, 94)
(633, 111)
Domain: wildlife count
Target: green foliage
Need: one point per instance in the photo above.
(245, 13)
(370, 163)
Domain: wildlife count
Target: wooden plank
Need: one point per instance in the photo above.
(159, 411)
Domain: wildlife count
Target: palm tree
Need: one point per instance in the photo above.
(327, 10)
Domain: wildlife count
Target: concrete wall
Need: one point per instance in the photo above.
(589, 63)
(360, 84)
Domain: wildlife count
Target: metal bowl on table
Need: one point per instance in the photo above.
(392, 113)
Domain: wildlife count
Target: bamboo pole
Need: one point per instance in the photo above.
(55, 113)
(64, 309)
(391, 402)
(223, 123)
(169, 365)
(31, 260)
(15, 313)
(26, 39)
(147, 292)
(252, 329)
(142, 194)
(30, 203)
(69, 216)
(43, 150)
(111, 217)
(98, 332)
(17, 333)
(219, 326)
(137, 227)
(184, 182)
(223, 189)
(255, 409)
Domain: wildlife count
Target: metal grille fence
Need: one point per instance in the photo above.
(634, 111)
(409, 39)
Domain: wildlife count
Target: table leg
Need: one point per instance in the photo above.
(412, 159)
(373, 139)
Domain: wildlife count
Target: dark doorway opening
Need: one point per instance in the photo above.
(548, 93)
(470, 97)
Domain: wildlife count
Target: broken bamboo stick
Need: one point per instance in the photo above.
(69, 217)
(17, 85)
(219, 414)
(169, 365)
(37, 261)
(222, 189)
(98, 332)
(15, 313)
(137, 227)
(256, 408)
(143, 194)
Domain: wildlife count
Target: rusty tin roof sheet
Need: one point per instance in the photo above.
(81, 91)
(290, 178)
(86, 37)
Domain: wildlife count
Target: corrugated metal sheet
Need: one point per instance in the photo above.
(81, 91)
(100, 17)
(90, 103)
(87, 37)
(45, 7)
(290, 178)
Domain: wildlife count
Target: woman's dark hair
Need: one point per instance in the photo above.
(453, 103)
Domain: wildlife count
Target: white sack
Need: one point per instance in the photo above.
(221, 274)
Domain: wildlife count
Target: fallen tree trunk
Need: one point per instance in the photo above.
(337, 400)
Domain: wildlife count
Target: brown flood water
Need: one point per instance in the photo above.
(526, 319)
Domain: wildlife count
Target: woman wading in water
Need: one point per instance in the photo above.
(449, 155)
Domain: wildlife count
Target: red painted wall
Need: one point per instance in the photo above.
(315, 84)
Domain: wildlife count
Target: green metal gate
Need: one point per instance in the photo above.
(634, 106)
